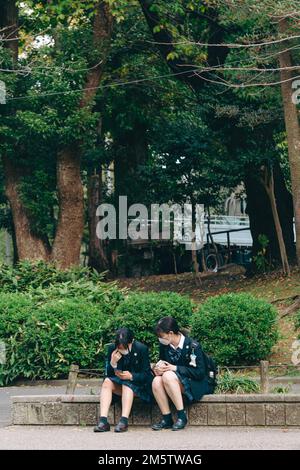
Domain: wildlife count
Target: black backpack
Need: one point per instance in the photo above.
(211, 366)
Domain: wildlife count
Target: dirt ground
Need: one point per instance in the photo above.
(274, 287)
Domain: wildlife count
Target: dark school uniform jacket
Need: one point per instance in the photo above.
(198, 376)
(137, 363)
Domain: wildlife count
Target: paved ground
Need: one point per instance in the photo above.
(46, 437)
(191, 438)
(7, 392)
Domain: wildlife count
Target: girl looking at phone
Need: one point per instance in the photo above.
(128, 374)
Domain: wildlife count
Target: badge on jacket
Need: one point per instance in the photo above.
(193, 359)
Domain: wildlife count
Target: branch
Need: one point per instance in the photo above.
(232, 45)
(165, 43)
(102, 29)
(245, 85)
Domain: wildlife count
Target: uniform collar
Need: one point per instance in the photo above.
(181, 342)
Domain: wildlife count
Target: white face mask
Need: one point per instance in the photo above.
(164, 341)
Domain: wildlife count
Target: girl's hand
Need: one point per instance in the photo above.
(125, 375)
(157, 371)
(167, 366)
(115, 357)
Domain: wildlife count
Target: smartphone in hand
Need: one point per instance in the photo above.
(161, 364)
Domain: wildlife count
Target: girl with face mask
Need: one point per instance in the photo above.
(128, 374)
(181, 372)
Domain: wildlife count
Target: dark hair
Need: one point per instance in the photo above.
(123, 336)
(167, 324)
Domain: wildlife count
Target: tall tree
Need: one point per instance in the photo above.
(65, 249)
(222, 24)
(291, 116)
(28, 244)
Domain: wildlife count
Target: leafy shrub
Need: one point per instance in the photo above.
(45, 330)
(236, 328)
(105, 293)
(262, 260)
(42, 340)
(26, 275)
(44, 282)
(141, 311)
(233, 383)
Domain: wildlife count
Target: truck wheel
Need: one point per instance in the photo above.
(213, 262)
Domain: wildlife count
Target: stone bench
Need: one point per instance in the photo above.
(213, 410)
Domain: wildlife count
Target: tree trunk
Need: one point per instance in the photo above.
(9, 24)
(195, 263)
(68, 237)
(268, 182)
(14, 243)
(293, 132)
(97, 256)
(27, 244)
(67, 242)
(215, 248)
(261, 217)
(131, 151)
(284, 203)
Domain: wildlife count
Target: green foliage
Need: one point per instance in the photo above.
(282, 388)
(233, 383)
(236, 328)
(203, 147)
(48, 84)
(26, 275)
(39, 205)
(188, 163)
(262, 260)
(141, 312)
(45, 282)
(51, 318)
(45, 330)
(42, 340)
(105, 293)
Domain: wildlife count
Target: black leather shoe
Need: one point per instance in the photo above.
(121, 427)
(180, 424)
(102, 427)
(162, 425)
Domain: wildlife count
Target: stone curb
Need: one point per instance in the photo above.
(213, 410)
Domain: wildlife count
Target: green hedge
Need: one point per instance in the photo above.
(44, 282)
(141, 311)
(50, 319)
(236, 328)
(45, 333)
(42, 340)
(26, 275)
